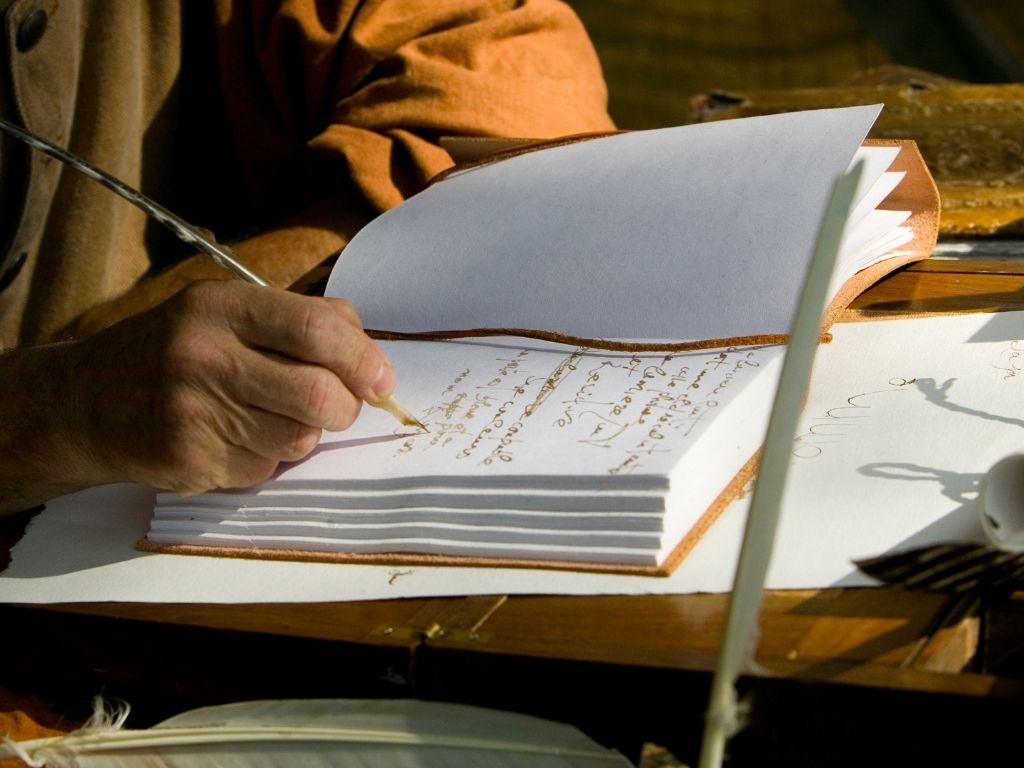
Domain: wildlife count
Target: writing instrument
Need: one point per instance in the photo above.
(738, 637)
(202, 239)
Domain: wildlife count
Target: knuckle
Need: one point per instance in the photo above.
(189, 356)
(301, 442)
(253, 472)
(197, 297)
(192, 485)
(321, 396)
(360, 366)
(347, 311)
(190, 476)
(188, 473)
(317, 327)
(209, 303)
(239, 475)
(346, 414)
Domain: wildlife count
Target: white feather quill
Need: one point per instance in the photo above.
(724, 711)
(328, 732)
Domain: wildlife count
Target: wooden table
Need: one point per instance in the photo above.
(847, 676)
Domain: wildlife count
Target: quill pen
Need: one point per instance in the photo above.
(765, 506)
(200, 238)
(324, 732)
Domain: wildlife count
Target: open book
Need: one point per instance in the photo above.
(687, 246)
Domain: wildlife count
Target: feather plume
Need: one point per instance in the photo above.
(724, 713)
(326, 732)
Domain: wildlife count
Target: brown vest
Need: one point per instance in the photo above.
(67, 241)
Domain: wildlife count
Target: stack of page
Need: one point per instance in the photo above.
(583, 454)
(533, 453)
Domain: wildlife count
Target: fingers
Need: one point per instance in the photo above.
(327, 332)
(271, 436)
(210, 440)
(199, 472)
(308, 395)
(300, 357)
(218, 386)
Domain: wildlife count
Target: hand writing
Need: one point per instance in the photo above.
(213, 388)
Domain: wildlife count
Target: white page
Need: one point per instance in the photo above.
(935, 402)
(888, 244)
(875, 181)
(903, 420)
(877, 226)
(702, 231)
(459, 500)
(880, 190)
(506, 416)
(561, 520)
(624, 549)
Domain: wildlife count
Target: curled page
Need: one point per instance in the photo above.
(700, 232)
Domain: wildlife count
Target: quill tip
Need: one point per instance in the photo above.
(400, 412)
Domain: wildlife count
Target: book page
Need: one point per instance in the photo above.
(875, 182)
(536, 418)
(625, 236)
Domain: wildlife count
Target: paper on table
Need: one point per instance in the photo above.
(903, 420)
(722, 201)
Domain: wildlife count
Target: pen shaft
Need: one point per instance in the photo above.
(201, 239)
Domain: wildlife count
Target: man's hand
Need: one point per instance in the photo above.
(210, 389)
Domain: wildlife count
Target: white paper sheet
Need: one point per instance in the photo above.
(904, 419)
(625, 236)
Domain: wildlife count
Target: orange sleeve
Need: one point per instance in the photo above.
(363, 90)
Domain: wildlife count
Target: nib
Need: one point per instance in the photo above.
(400, 412)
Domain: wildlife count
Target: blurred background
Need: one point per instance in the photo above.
(658, 53)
